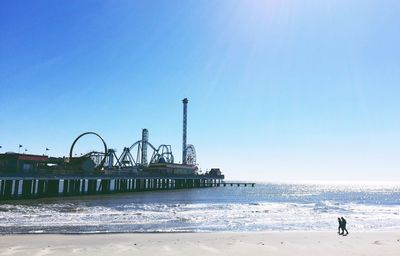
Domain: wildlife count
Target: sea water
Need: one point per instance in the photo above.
(265, 207)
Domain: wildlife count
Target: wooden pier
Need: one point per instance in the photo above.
(23, 187)
(237, 184)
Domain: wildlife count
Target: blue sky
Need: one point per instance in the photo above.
(278, 90)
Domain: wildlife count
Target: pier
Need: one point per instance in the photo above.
(24, 187)
(101, 171)
(237, 184)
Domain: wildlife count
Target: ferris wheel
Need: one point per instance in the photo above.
(190, 155)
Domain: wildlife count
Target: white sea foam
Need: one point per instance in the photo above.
(266, 207)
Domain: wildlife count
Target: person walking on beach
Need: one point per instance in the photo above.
(340, 230)
(344, 222)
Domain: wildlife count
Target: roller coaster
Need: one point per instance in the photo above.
(132, 158)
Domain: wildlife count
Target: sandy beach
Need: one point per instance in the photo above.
(270, 243)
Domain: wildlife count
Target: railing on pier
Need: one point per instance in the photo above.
(238, 184)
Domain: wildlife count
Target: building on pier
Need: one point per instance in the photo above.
(22, 163)
(171, 169)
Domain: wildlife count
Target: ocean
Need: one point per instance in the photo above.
(265, 207)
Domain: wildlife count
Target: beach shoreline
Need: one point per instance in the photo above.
(215, 243)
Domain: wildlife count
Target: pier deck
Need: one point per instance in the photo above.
(238, 184)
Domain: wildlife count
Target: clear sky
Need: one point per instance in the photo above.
(278, 90)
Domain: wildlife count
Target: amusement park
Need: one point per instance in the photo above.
(141, 166)
(141, 157)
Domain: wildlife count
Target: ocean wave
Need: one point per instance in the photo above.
(263, 208)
